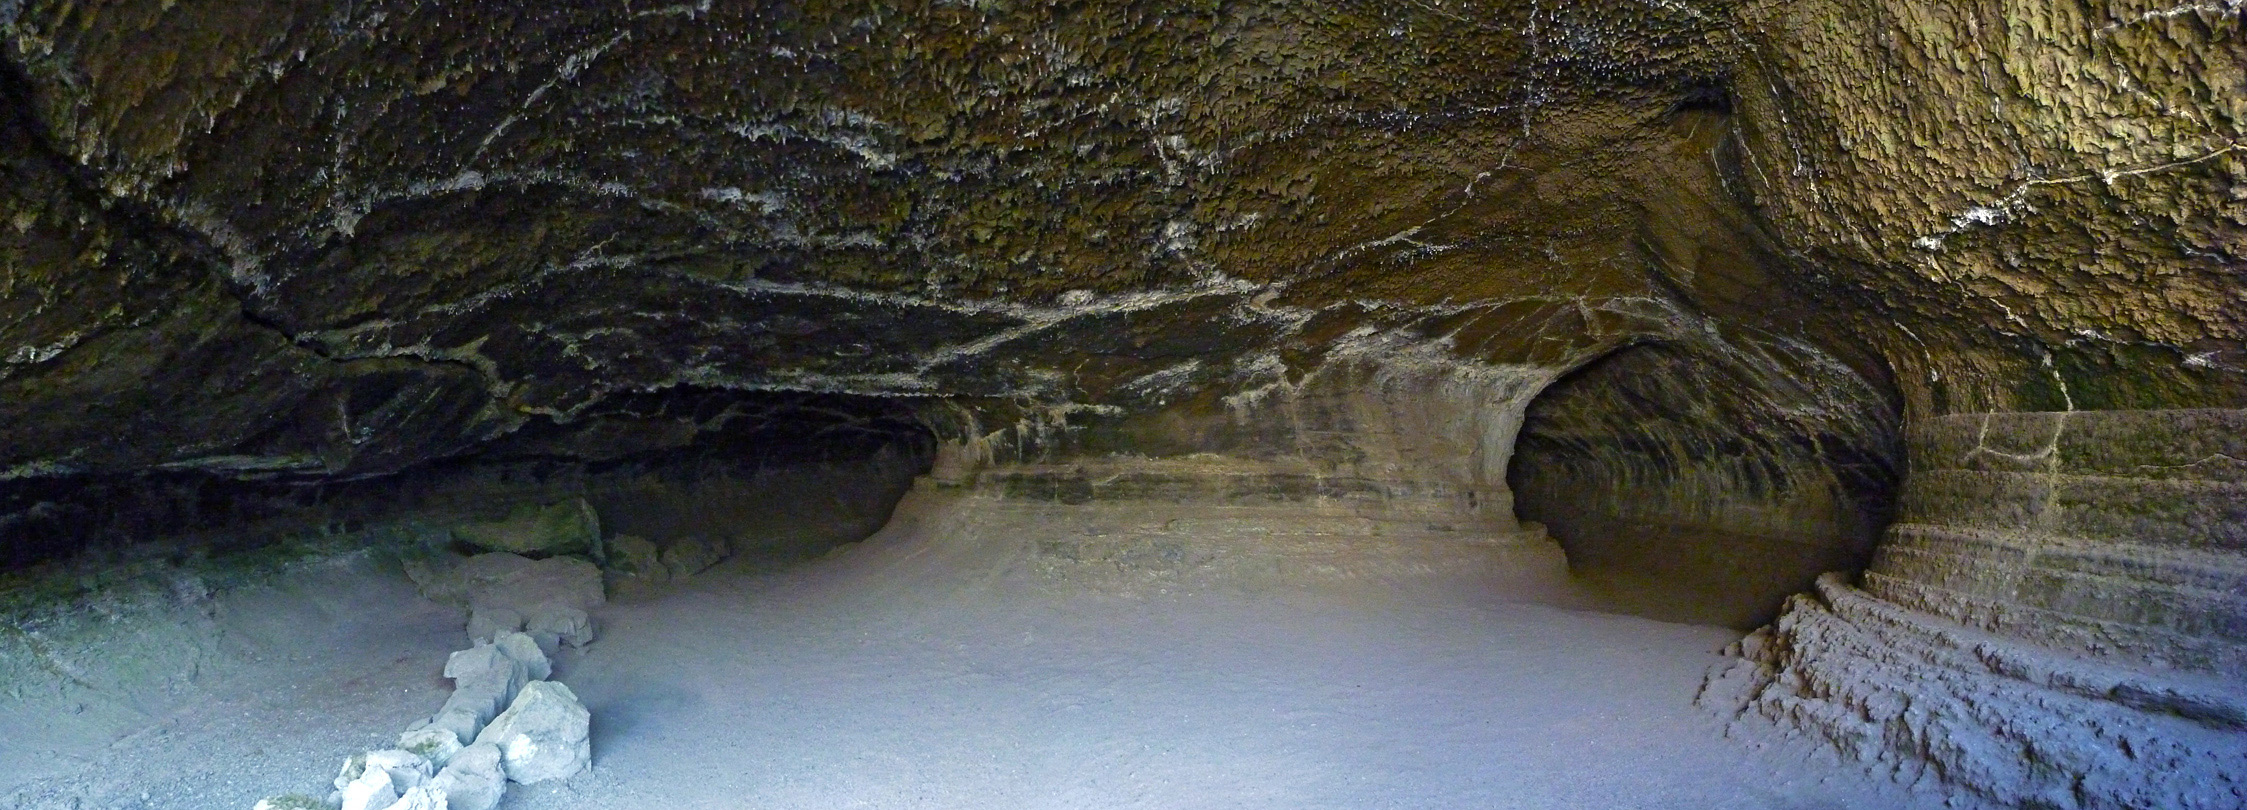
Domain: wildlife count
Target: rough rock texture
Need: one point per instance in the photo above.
(487, 679)
(544, 735)
(2057, 619)
(2037, 206)
(474, 780)
(2014, 724)
(2115, 535)
(569, 527)
(254, 262)
(1707, 488)
(434, 744)
(443, 230)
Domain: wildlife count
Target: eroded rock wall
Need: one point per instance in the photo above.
(2058, 617)
(2034, 212)
(1708, 482)
(2114, 535)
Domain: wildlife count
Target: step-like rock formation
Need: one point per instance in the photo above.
(2058, 619)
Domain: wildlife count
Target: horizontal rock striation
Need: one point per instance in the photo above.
(2119, 536)
(2056, 620)
(2019, 725)
(1211, 521)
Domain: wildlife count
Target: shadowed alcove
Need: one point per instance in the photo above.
(1706, 485)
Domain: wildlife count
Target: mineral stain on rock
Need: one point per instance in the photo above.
(1701, 301)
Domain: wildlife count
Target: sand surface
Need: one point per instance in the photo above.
(923, 671)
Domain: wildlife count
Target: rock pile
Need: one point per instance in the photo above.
(639, 561)
(506, 719)
(504, 722)
(548, 599)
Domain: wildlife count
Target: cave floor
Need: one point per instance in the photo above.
(908, 674)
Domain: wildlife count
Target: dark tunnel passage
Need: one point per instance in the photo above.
(1690, 484)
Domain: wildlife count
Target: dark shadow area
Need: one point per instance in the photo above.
(780, 475)
(1705, 484)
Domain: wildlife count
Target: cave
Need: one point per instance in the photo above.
(1468, 403)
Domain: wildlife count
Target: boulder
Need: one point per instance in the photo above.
(569, 527)
(485, 623)
(371, 790)
(689, 556)
(543, 735)
(551, 624)
(401, 768)
(486, 679)
(475, 779)
(293, 801)
(513, 581)
(424, 797)
(634, 556)
(432, 743)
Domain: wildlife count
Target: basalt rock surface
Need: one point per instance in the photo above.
(1743, 277)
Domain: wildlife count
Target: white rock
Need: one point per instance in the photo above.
(520, 647)
(424, 797)
(372, 790)
(474, 780)
(485, 681)
(353, 766)
(407, 769)
(436, 744)
(404, 769)
(552, 623)
(486, 623)
(543, 735)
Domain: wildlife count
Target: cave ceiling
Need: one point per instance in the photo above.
(337, 238)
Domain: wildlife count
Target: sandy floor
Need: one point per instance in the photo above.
(905, 673)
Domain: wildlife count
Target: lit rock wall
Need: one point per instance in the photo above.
(2057, 619)
(2114, 535)
(1401, 416)
(1225, 522)
(1388, 459)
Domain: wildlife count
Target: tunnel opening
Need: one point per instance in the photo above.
(1705, 484)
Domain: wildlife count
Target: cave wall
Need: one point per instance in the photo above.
(290, 247)
(2114, 535)
(1700, 485)
(2034, 212)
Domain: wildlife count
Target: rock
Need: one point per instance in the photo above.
(424, 797)
(475, 779)
(634, 556)
(551, 624)
(520, 647)
(569, 527)
(486, 679)
(404, 768)
(506, 592)
(372, 790)
(513, 581)
(543, 735)
(487, 622)
(692, 555)
(434, 744)
(353, 766)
